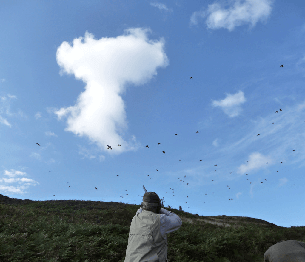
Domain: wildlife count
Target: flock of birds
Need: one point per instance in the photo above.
(109, 147)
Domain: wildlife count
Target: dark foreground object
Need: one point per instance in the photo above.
(286, 251)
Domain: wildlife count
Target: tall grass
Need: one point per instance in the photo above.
(70, 230)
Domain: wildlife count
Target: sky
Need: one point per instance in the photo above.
(88, 90)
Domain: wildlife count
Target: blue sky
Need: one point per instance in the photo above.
(76, 76)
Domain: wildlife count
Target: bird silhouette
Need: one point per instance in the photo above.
(159, 143)
(147, 146)
(163, 152)
(95, 188)
(272, 123)
(109, 147)
(197, 132)
(200, 160)
(215, 165)
(176, 134)
(281, 66)
(191, 77)
(258, 134)
(37, 144)
(53, 195)
(157, 169)
(119, 145)
(276, 111)
(179, 160)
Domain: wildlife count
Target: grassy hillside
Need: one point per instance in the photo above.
(70, 230)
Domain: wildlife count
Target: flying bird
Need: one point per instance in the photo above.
(147, 146)
(191, 77)
(157, 169)
(197, 132)
(281, 66)
(37, 144)
(276, 111)
(175, 134)
(159, 143)
(163, 152)
(258, 134)
(119, 145)
(200, 160)
(215, 165)
(95, 188)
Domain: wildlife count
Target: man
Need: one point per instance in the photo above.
(147, 240)
(286, 251)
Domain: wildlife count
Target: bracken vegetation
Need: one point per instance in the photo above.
(72, 230)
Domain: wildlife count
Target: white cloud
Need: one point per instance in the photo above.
(106, 66)
(230, 104)
(49, 133)
(249, 11)
(161, 6)
(4, 121)
(38, 115)
(12, 177)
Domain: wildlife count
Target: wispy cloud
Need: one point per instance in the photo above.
(248, 12)
(161, 6)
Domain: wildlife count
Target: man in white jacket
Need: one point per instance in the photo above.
(147, 240)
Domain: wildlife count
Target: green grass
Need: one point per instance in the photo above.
(70, 230)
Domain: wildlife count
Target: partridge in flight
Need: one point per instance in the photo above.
(37, 144)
